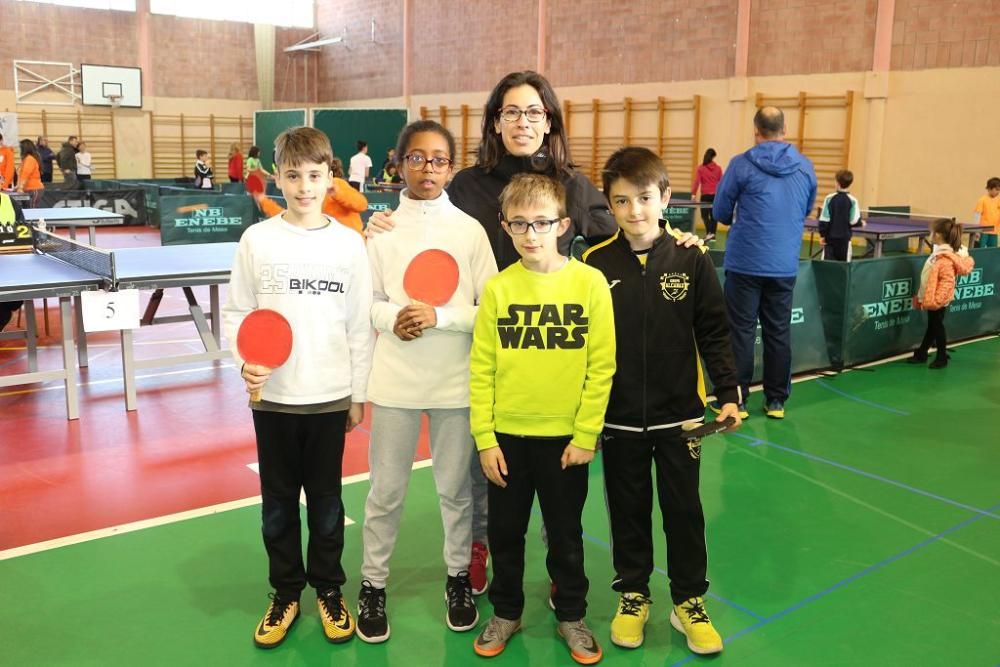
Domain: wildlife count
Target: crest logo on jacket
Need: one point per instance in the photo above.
(674, 286)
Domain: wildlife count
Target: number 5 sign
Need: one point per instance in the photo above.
(110, 311)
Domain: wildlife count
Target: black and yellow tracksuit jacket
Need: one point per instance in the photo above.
(670, 313)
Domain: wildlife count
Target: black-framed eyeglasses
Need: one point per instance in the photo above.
(416, 162)
(538, 226)
(513, 114)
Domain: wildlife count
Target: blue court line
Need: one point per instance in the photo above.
(857, 399)
(729, 603)
(844, 582)
(756, 442)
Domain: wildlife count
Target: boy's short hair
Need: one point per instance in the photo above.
(200, 153)
(993, 183)
(639, 166)
(844, 178)
(302, 144)
(528, 189)
(362, 144)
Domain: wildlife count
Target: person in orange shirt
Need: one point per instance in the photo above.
(29, 178)
(988, 213)
(343, 203)
(6, 166)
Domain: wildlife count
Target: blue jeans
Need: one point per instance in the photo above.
(749, 298)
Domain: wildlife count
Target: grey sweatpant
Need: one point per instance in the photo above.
(390, 460)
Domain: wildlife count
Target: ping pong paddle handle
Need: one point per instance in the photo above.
(255, 396)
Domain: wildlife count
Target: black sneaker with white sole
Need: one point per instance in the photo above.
(373, 624)
(462, 612)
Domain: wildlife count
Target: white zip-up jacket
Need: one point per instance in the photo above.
(431, 371)
(320, 281)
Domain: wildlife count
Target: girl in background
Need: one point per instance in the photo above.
(707, 178)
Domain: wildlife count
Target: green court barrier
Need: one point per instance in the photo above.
(681, 218)
(379, 127)
(879, 320)
(267, 125)
(379, 201)
(206, 218)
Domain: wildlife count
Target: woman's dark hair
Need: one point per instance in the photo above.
(709, 156)
(422, 126)
(254, 152)
(949, 230)
(28, 148)
(491, 147)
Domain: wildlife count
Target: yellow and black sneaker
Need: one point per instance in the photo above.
(338, 625)
(691, 620)
(774, 409)
(629, 623)
(716, 407)
(280, 616)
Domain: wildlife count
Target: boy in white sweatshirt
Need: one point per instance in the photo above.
(421, 366)
(314, 272)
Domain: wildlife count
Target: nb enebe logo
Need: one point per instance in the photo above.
(674, 286)
(973, 287)
(896, 298)
(543, 327)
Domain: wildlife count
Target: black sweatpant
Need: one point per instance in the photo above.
(296, 452)
(533, 465)
(935, 335)
(706, 214)
(836, 249)
(628, 463)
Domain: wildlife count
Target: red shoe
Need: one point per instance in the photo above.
(477, 568)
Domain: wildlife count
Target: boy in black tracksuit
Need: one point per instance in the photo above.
(837, 219)
(669, 313)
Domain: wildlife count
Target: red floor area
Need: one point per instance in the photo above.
(186, 447)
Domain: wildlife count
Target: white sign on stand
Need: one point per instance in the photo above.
(110, 311)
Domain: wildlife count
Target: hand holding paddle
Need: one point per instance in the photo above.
(430, 280)
(264, 340)
(711, 428)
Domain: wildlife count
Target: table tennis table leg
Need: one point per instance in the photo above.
(92, 235)
(69, 364)
(878, 247)
(31, 334)
(128, 369)
(81, 335)
(208, 339)
(72, 232)
(213, 299)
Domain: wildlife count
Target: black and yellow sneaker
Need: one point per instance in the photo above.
(338, 626)
(373, 624)
(690, 619)
(281, 614)
(629, 623)
(716, 407)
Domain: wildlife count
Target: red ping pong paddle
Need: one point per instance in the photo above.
(254, 183)
(431, 278)
(264, 339)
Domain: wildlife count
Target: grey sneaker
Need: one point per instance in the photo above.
(583, 647)
(493, 639)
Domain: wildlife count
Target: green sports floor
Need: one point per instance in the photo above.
(864, 529)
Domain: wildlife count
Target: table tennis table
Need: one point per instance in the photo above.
(73, 217)
(880, 228)
(65, 268)
(22, 198)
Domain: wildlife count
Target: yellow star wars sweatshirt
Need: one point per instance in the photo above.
(543, 355)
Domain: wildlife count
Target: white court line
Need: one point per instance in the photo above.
(101, 533)
(88, 383)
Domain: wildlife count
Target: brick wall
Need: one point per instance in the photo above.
(361, 68)
(592, 42)
(471, 45)
(195, 58)
(811, 36)
(960, 33)
(34, 31)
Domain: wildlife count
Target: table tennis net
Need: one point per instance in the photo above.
(900, 217)
(91, 259)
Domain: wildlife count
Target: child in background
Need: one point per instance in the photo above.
(360, 167)
(670, 315)
(29, 178)
(543, 355)
(421, 366)
(202, 171)
(235, 164)
(988, 213)
(839, 216)
(316, 274)
(254, 166)
(937, 287)
(342, 202)
(84, 162)
(706, 179)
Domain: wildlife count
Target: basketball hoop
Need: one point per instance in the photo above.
(114, 100)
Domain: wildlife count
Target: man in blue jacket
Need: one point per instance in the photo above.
(771, 188)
